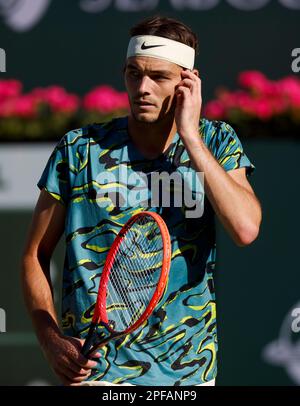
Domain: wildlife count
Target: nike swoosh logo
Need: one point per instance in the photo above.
(144, 46)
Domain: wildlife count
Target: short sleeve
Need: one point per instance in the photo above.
(228, 149)
(55, 177)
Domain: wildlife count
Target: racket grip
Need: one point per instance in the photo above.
(88, 341)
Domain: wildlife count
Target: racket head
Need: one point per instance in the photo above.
(143, 242)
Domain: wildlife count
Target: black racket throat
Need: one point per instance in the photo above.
(95, 340)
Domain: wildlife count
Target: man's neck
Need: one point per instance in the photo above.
(151, 139)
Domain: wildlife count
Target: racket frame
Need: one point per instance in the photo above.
(100, 314)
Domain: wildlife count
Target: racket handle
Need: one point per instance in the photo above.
(88, 341)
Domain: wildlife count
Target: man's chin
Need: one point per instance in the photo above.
(145, 118)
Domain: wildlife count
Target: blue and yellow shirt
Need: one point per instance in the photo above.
(178, 343)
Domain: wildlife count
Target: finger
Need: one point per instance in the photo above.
(190, 74)
(76, 369)
(67, 382)
(64, 379)
(84, 362)
(79, 379)
(77, 362)
(194, 78)
(79, 359)
(194, 88)
(76, 384)
(95, 354)
(183, 91)
(182, 95)
(187, 83)
(194, 91)
(73, 375)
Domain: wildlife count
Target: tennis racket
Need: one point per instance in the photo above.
(133, 280)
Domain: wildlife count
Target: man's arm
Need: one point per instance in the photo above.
(63, 353)
(229, 193)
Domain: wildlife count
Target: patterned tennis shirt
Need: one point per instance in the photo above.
(177, 345)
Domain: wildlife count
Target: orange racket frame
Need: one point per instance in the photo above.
(100, 313)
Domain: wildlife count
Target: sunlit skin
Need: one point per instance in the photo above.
(160, 85)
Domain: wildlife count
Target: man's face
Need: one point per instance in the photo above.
(150, 84)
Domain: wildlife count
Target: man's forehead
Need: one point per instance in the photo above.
(152, 64)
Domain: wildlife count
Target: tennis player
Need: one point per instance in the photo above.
(164, 132)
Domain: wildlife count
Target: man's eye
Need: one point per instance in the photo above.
(159, 77)
(134, 74)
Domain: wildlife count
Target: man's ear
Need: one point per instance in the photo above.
(196, 72)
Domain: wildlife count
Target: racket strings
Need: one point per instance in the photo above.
(135, 306)
(135, 273)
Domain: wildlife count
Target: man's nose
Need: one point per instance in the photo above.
(145, 84)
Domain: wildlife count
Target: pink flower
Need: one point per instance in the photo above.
(267, 100)
(256, 82)
(279, 105)
(295, 101)
(57, 98)
(289, 85)
(228, 99)
(24, 106)
(238, 100)
(262, 108)
(6, 108)
(105, 99)
(214, 110)
(290, 88)
(246, 105)
(10, 88)
(234, 100)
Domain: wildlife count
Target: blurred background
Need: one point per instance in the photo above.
(61, 67)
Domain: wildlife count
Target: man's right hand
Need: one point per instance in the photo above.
(65, 358)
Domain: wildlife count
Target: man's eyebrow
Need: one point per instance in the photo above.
(158, 71)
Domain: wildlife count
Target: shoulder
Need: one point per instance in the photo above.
(224, 144)
(219, 137)
(74, 146)
(215, 130)
(91, 133)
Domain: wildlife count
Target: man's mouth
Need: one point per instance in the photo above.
(143, 103)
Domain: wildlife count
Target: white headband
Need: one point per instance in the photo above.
(162, 48)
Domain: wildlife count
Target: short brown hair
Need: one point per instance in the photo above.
(167, 28)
